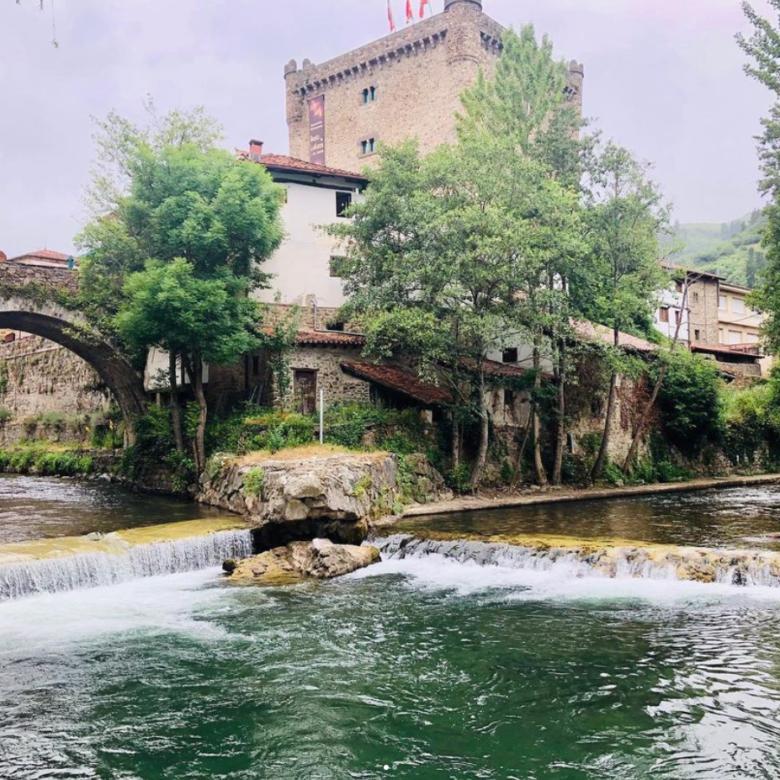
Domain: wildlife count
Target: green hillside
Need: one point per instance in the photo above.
(731, 249)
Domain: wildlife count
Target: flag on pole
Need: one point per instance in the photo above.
(423, 5)
(390, 19)
(409, 12)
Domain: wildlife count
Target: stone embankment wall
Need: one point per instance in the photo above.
(47, 392)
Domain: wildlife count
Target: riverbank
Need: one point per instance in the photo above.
(563, 496)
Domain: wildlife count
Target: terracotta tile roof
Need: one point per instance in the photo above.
(281, 162)
(506, 370)
(590, 331)
(331, 338)
(401, 380)
(42, 254)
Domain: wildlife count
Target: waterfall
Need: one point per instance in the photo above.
(728, 567)
(92, 570)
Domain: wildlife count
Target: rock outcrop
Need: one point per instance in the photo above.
(319, 559)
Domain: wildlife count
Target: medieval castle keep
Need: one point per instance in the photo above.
(406, 84)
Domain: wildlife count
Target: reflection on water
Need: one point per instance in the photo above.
(742, 517)
(42, 507)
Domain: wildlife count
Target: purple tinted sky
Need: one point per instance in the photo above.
(663, 77)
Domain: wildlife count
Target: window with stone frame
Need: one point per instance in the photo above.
(368, 146)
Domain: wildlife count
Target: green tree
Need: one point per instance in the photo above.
(201, 320)
(438, 254)
(763, 49)
(524, 106)
(171, 195)
(618, 285)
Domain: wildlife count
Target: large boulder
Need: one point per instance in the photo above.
(319, 559)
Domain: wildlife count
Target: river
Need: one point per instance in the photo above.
(418, 668)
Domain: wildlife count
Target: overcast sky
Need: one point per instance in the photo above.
(663, 77)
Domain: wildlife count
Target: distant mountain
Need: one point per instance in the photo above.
(731, 249)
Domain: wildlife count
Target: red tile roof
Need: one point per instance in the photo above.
(43, 254)
(329, 338)
(401, 380)
(280, 162)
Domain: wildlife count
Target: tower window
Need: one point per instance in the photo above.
(343, 202)
(510, 355)
(368, 145)
(369, 95)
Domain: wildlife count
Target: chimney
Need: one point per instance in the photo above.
(255, 150)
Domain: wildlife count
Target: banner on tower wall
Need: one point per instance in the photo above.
(317, 130)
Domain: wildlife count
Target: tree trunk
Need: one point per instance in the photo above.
(628, 466)
(199, 445)
(541, 474)
(175, 405)
(455, 442)
(598, 466)
(518, 472)
(560, 431)
(484, 436)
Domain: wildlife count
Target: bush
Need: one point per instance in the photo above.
(32, 460)
(690, 401)
(254, 482)
(5, 415)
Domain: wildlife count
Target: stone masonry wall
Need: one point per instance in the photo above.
(338, 386)
(703, 305)
(418, 72)
(40, 377)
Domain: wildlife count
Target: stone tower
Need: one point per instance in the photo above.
(407, 84)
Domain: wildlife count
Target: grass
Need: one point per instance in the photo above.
(304, 452)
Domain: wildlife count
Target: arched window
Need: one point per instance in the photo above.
(369, 95)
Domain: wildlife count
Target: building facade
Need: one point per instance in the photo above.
(407, 84)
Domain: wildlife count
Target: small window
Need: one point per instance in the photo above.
(697, 335)
(510, 355)
(663, 315)
(737, 305)
(678, 286)
(335, 266)
(255, 364)
(722, 303)
(368, 146)
(696, 297)
(677, 316)
(338, 327)
(343, 202)
(369, 95)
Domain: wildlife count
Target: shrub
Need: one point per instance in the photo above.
(254, 482)
(690, 401)
(5, 415)
(459, 479)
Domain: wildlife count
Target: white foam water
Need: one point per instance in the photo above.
(94, 570)
(756, 569)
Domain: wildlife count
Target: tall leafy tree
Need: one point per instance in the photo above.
(173, 196)
(524, 105)
(439, 253)
(618, 284)
(763, 50)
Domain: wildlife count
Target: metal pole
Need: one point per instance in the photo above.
(322, 416)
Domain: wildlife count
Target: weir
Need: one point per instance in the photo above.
(53, 566)
(747, 568)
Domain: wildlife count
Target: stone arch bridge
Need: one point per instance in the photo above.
(38, 300)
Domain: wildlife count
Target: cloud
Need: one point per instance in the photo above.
(664, 78)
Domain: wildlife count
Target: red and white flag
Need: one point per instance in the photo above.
(409, 12)
(390, 19)
(423, 5)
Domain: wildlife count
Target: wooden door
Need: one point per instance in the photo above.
(305, 389)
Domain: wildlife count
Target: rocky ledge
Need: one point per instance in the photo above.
(317, 492)
(319, 559)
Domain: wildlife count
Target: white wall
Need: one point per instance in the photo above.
(301, 265)
(672, 300)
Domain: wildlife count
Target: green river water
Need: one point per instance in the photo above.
(416, 668)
